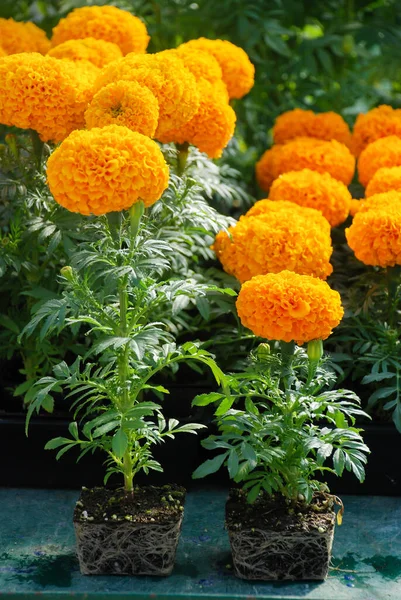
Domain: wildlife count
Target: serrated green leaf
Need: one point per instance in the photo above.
(119, 443)
(209, 466)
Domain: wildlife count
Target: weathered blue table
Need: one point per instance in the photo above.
(37, 554)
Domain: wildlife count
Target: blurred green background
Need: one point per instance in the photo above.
(324, 54)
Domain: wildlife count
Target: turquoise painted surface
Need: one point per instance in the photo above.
(37, 554)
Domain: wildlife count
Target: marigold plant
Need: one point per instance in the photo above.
(238, 71)
(375, 233)
(289, 307)
(314, 190)
(17, 36)
(125, 103)
(103, 23)
(211, 128)
(379, 122)
(106, 169)
(202, 65)
(53, 103)
(166, 76)
(98, 52)
(305, 123)
(384, 180)
(286, 236)
(306, 153)
(384, 152)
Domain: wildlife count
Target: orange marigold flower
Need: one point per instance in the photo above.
(384, 152)
(238, 71)
(106, 169)
(18, 36)
(306, 153)
(166, 76)
(2, 51)
(284, 236)
(379, 122)
(384, 180)
(103, 23)
(355, 206)
(125, 103)
(289, 307)
(211, 128)
(375, 233)
(98, 52)
(202, 65)
(42, 93)
(315, 190)
(305, 123)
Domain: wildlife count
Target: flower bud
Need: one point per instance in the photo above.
(315, 350)
(67, 272)
(263, 351)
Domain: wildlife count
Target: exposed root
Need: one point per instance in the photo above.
(126, 548)
(266, 555)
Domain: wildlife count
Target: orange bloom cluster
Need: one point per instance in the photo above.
(283, 236)
(126, 103)
(98, 52)
(306, 153)
(384, 152)
(375, 233)
(211, 128)
(167, 78)
(201, 64)
(105, 170)
(379, 122)
(19, 37)
(314, 190)
(289, 307)
(355, 206)
(238, 71)
(103, 23)
(305, 123)
(43, 93)
(384, 180)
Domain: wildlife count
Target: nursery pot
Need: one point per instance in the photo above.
(128, 534)
(272, 541)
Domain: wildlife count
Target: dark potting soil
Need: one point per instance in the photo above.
(148, 504)
(275, 513)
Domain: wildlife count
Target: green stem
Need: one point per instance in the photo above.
(136, 212)
(115, 219)
(37, 146)
(128, 473)
(182, 157)
(392, 279)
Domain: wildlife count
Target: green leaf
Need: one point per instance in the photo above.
(249, 454)
(206, 399)
(56, 443)
(224, 406)
(232, 463)
(48, 403)
(383, 392)
(119, 443)
(338, 461)
(105, 428)
(203, 306)
(253, 493)
(209, 466)
(73, 429)
(397, 417)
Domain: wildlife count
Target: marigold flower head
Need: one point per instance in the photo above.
(305, 123)
(211, 128)
(125, 103)
(355, 206)
(314, 190)
(384, 152)
(384, 180)
(166, 76)
(98, 52)
(284, 236)
(18, 36)
(375, 233)
(42, 93)
(2, 51)
(306, 153)
(202, 65)
(238, 71)
(379, 122)
(106, 169)
(103, 23)
(289, 307)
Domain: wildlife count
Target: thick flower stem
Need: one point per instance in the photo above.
(182, 157)
(136, 212)
(37, 146)
(128, 475)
